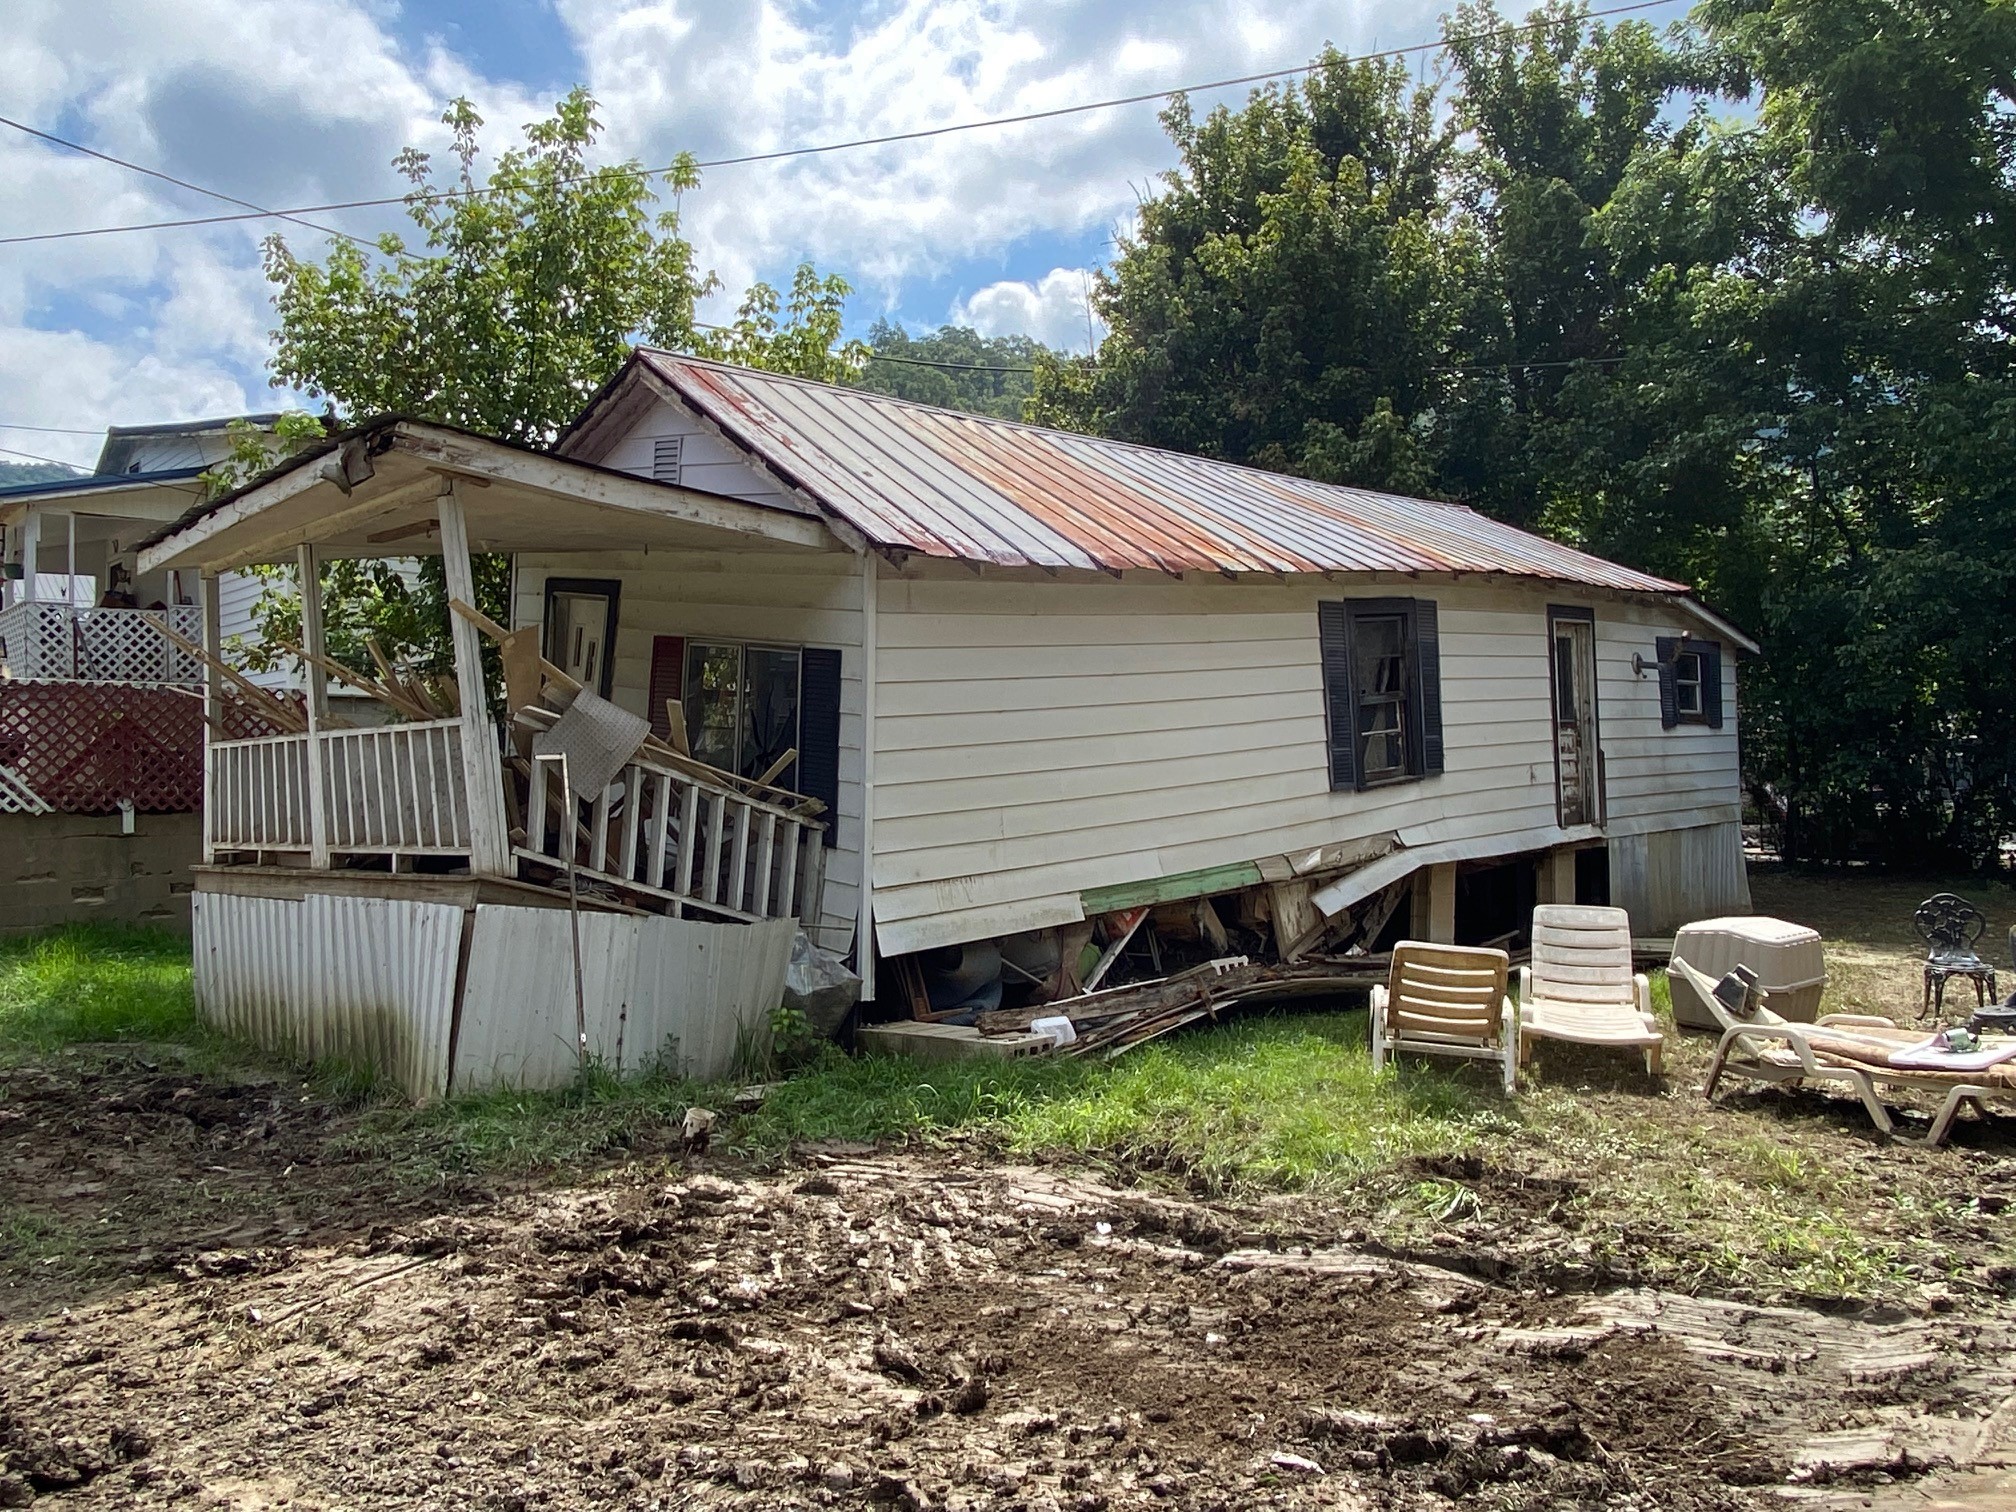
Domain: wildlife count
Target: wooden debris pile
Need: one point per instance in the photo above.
(1118, 1018)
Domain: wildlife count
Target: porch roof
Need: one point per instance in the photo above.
(371, 491)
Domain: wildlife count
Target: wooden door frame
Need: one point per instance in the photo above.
(1556, 614)
(609, 588)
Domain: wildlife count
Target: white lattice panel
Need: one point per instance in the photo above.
(16, 797)
(55, 642)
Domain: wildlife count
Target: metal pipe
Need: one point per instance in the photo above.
(569, 819)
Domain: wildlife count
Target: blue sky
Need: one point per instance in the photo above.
(289, 102)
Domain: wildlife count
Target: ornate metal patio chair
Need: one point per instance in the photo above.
(1949, 925)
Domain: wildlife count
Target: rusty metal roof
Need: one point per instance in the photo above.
(947, 484)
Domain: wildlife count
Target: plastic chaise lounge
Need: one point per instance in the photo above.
(1446, 1000)
(1854, 1050)
(1581, 988)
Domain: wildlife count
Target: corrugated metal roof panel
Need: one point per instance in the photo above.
(945, 484)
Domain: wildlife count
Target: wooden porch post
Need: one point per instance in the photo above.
(864, 918)
(489, 840)
(31, 536)
(316, 686)
(213, 701)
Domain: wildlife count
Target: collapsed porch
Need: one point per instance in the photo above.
(446, 777)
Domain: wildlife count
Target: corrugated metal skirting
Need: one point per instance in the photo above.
(673, 990)
(372, 981)
(365, 980)
(1672, 877)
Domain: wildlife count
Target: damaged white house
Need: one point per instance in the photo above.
(1030, 680)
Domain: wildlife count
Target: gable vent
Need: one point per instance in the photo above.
(665, 455)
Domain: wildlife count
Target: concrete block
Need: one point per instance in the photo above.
(936, 1044)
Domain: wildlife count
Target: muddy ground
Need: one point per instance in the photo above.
(211, 1300)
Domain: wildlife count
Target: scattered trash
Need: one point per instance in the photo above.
(697, 1130)
(819, 986)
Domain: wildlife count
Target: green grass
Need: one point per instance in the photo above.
(1278, 1102)
(95, 982)
(1657, 1181)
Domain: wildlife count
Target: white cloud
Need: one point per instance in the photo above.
(1056, 309)
(294, 101)
(728, 81)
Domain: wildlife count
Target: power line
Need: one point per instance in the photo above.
(818, 149)
(229, 199)
(36, 457)
(54, 430)
(1468, 367)
(957, 367)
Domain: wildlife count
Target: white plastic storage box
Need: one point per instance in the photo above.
(1786, 958)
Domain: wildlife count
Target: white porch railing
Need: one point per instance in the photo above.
(54, 642)
(255, 795)
(396, 790)
(400, 790)
(674, 835)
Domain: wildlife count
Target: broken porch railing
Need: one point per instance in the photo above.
(699, 846)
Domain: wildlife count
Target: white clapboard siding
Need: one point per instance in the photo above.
(780, 598)
(1651, 772)
(1038, 737)
(705, 460)
(237, 597)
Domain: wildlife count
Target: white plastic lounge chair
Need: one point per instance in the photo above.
(1446, 1000)
(1851, 1049)
(1580, 986)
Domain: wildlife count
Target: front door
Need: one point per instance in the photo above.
(1576, 762)
(581, 629)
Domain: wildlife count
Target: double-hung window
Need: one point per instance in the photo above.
(1690, 682)
(1382, 690)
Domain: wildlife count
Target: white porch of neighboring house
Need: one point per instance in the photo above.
(62, 547)
(336, 839)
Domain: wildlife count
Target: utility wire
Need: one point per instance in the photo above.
(37, 457)
(1470, 367)
(229, 199)
(54, 430)
(435, 196)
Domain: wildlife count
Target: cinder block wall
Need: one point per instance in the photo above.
(63, 868)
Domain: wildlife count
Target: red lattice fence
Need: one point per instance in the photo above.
(85, 746)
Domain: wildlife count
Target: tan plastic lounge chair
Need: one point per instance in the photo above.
(1850, 1049)
(1446, 1000)
(1580, 986)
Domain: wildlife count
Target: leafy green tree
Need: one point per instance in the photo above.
(954, 367)
(518, 296)
(1291, 293)
(523, 294)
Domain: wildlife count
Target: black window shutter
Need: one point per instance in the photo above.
(1668, 648)
(819, 732)
(1711, 682)
(668, 675)
(1340, 701)
(1428, 675)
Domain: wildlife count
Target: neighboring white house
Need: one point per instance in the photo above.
(62, 538)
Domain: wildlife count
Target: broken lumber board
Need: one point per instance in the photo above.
(1252, 979)
(1176, 888)
(270, 706)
